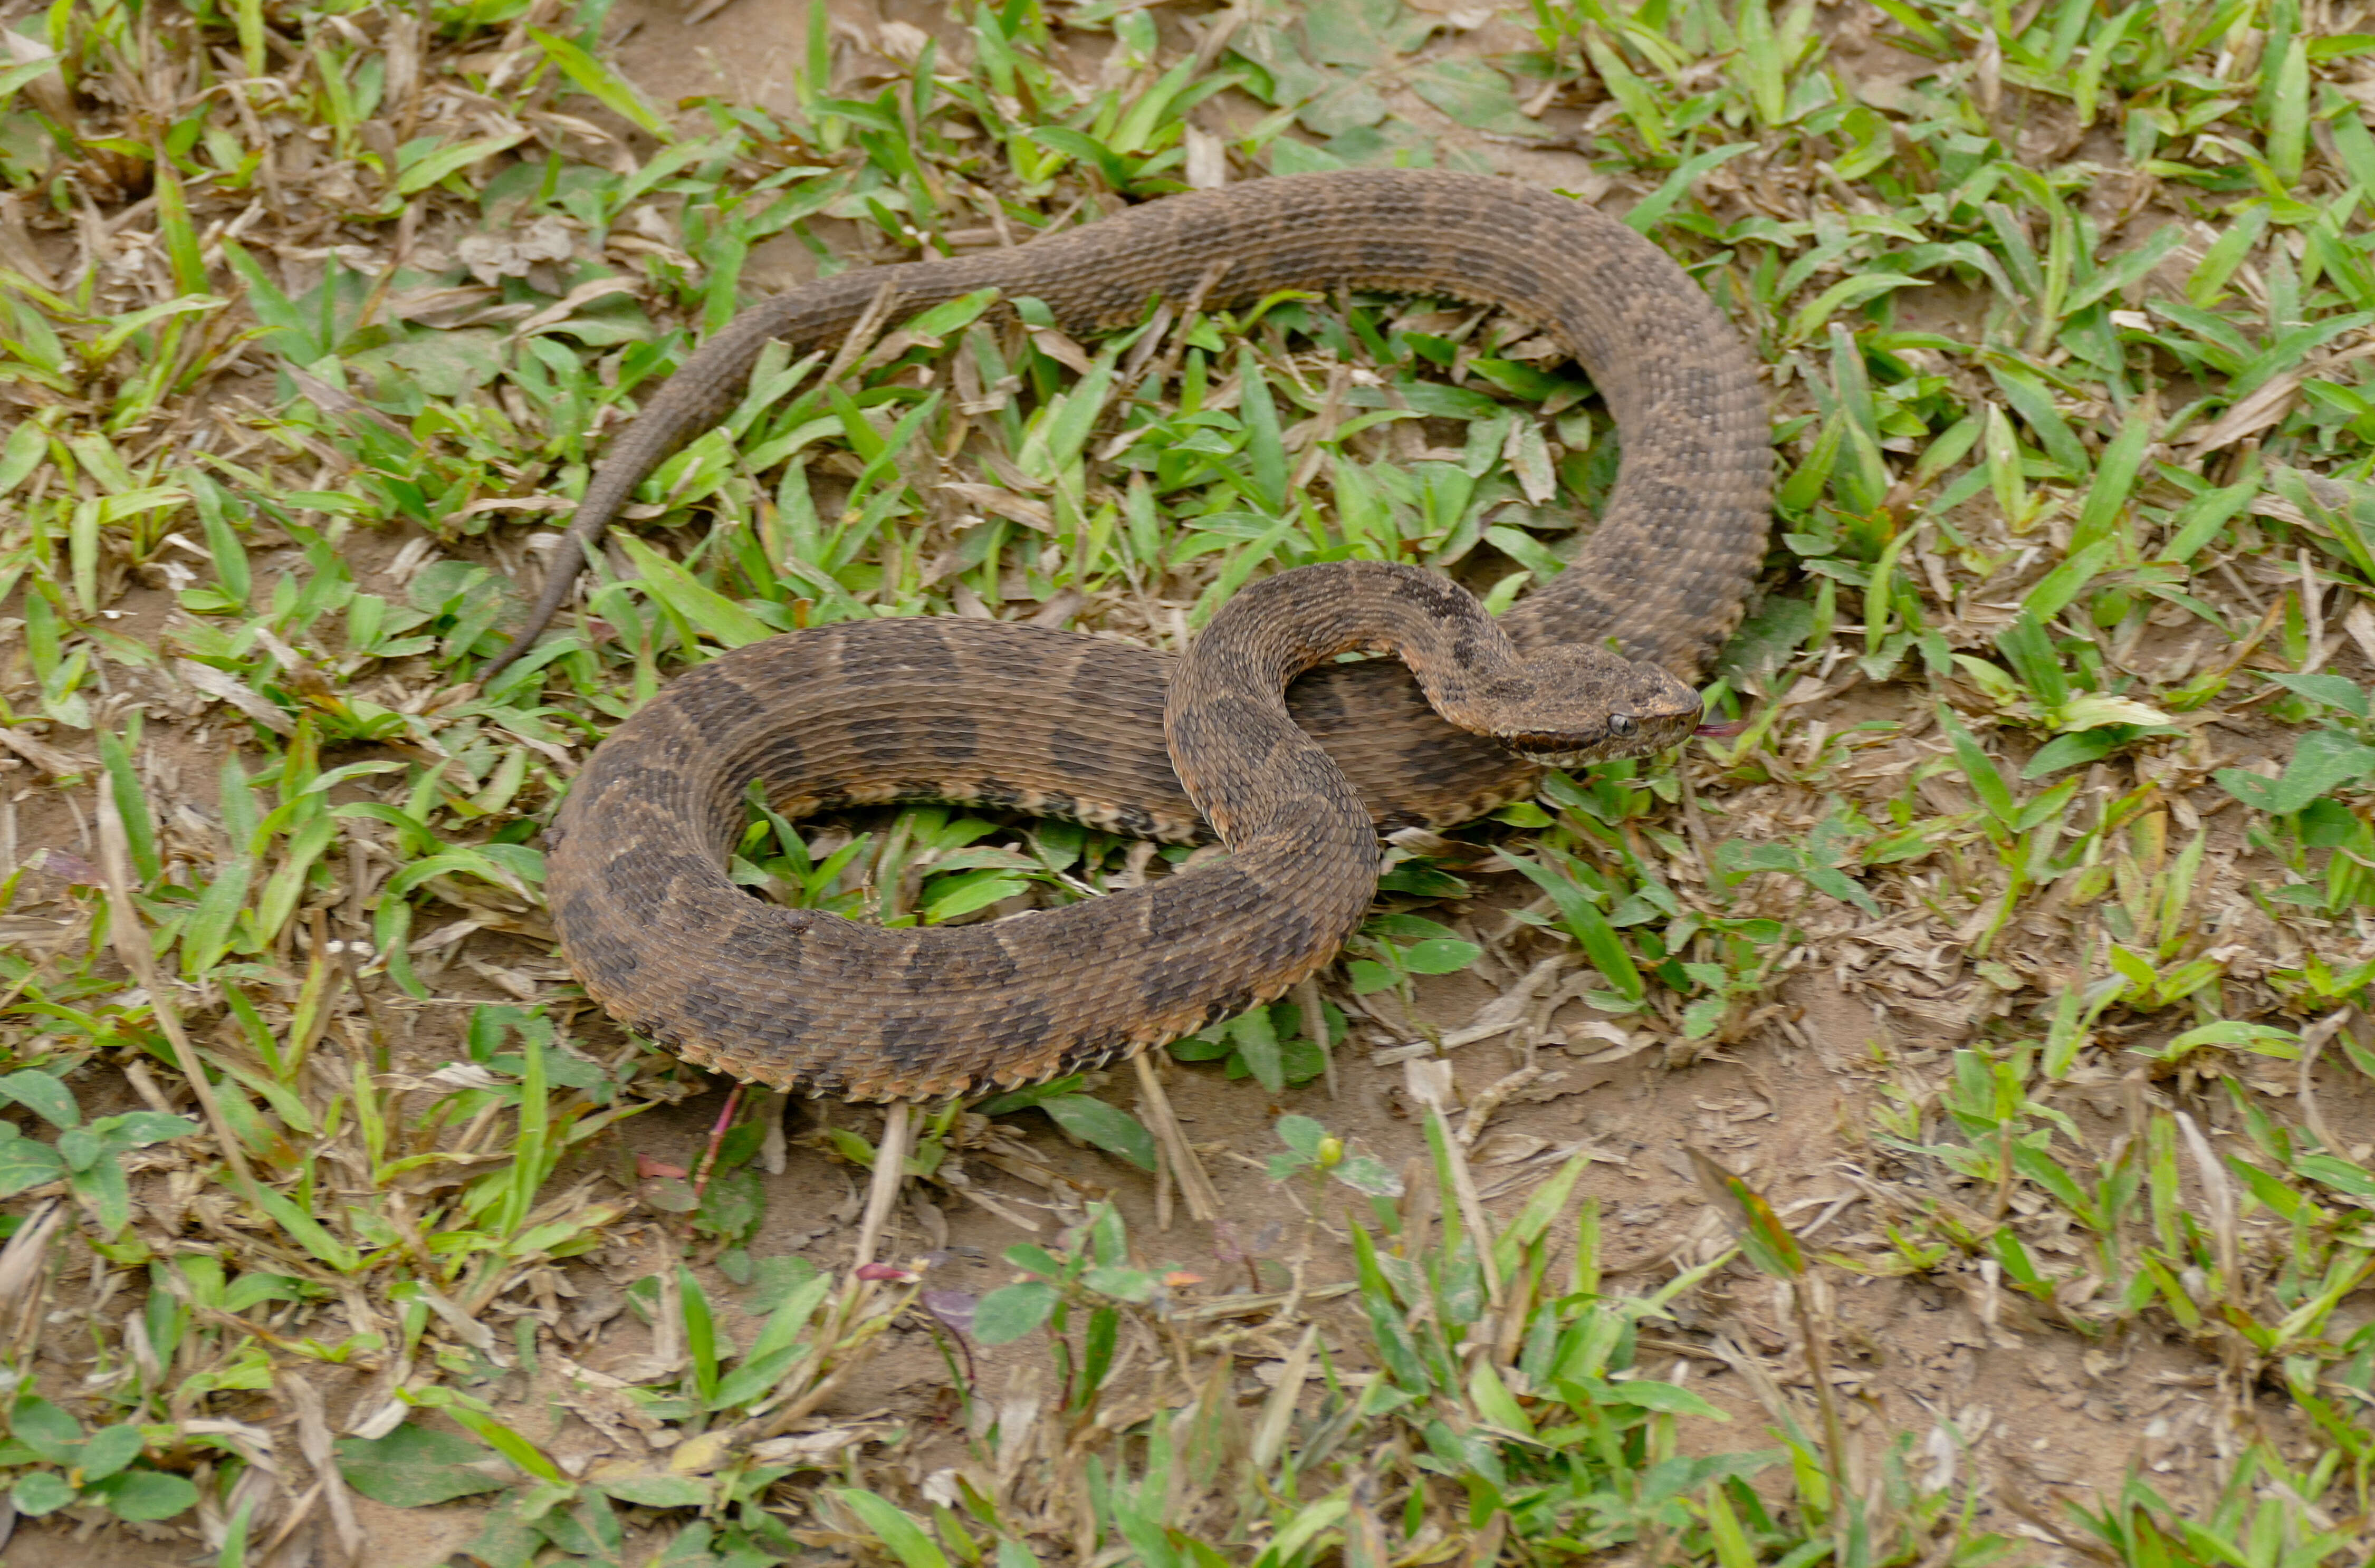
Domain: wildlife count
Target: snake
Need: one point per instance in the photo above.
(1262, 734)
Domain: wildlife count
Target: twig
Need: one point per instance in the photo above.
(1818, 1368)
(1164, 1184)
(783, 1420)
(314, 1440)
(2313, 1041)
(774, 1154)
(22, 1263)
(861, 336)
(1278, 1412)
(716, 1137)
(1429, 1083)
(1203, 1203)
(352, 952)
(1190, 308)
(2221, 1198)
(890, 1175)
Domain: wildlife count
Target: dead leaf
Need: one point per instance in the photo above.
(49, 759)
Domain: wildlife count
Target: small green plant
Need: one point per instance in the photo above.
(58, 1464)
(1269, 1045)
(1084, 1116)
(88, 1156)
(1094, 1277)
(1311, 1147)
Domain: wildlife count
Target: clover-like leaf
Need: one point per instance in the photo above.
(1011, 1312)
(416, 1466)
(144, 1495)
(41, 1491)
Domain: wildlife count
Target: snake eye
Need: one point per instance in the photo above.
(1621, 724)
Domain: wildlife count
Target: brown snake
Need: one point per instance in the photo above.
(1060, 724)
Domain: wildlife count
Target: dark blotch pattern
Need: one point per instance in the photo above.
(1038, 720)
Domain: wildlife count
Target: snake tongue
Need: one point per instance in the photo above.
(1724, 731)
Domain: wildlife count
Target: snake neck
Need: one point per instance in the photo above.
(1225, 714)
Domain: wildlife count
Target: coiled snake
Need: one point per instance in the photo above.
(1060, 724)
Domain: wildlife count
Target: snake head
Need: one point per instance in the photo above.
(1573, 705)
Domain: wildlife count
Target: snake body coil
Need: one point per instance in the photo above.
(1068, 724)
